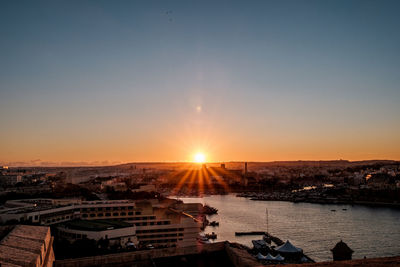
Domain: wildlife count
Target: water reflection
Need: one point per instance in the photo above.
(370, 232)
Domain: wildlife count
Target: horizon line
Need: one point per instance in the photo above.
(99, 164)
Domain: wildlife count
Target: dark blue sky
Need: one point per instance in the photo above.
(240, 80)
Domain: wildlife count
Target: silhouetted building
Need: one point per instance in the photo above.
(245, 167)
(223, 166)
(341, 252)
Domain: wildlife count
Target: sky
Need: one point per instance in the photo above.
(104, 82)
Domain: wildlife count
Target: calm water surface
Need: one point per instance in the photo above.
(370, 232)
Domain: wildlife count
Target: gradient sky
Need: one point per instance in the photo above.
(123, 81)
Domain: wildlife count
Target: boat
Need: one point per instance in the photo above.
(211, 236)
(214, 223)
(259, 244)
(202, 238)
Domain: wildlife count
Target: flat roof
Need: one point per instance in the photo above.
(96, 225)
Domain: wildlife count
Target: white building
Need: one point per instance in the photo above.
(155, 223)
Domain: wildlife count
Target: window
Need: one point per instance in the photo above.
(130, 213)
(123, 213)
(84, 215)
(92, 215)
(100, 215)
(108, 214)
(138, 213)
(115, 214)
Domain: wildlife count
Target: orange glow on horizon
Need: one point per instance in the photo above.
(199, 158)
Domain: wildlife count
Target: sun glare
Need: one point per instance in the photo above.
(199, 158)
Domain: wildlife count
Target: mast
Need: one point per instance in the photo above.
(266, 212)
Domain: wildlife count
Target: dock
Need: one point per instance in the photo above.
(275, 239)
(250, 233)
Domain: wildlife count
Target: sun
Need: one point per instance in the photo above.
(199, 158)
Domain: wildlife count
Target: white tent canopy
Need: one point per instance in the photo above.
(288, 248)
(269, 257)
(260, 256)
(279, 258)
(304, 259)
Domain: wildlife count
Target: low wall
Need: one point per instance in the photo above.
(240, 257)
(138, 256)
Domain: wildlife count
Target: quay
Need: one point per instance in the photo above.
(250, 233)
(267, 235)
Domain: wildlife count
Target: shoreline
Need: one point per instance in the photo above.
(290, 199)
(327, 202)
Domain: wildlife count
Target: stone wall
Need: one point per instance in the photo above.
(240, 257)
(138, 257)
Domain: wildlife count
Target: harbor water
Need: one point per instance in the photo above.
(369, 231)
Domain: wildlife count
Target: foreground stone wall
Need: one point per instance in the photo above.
(240, 257)
(138, 257)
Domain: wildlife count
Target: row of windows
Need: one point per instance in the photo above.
(59, 213)
(108, 214)
(108, 209)
(158, 236)
(72, 235)
(159, 230)
(160, 241)
(152, 223)
(58, 219)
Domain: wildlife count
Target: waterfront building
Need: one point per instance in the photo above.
(116, 232)
(152, 222)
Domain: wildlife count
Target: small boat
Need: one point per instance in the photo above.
(214, 223)
(344, 209)
(267, 239)
(211, 236)
(333, 210)
(202, 238)
(259, 244)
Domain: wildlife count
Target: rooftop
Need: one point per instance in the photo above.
(23, 245)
